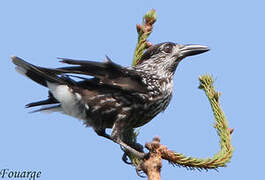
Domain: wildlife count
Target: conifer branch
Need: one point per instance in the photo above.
(152, 164)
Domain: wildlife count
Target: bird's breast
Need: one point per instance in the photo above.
(154, 106)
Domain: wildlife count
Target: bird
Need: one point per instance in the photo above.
(107, 95)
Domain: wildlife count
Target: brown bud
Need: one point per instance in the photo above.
(138, 27)
(157, 139)
(231, 130)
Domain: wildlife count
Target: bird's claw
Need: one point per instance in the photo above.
(125, 159)
(140, 172)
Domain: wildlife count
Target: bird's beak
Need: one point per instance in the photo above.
(190, 50)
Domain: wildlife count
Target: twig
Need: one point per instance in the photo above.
(144, 31)
(152, 165)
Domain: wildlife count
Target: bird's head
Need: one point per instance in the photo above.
(164, 57)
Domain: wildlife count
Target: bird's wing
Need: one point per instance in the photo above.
(108, 72)
(36, 73)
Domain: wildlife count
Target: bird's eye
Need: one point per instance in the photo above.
(167, 48)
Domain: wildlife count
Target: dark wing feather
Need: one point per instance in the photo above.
(107, 69)
(35, 73)
(108, 72)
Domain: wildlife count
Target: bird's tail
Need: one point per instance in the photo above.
(42, 76)
(38, 74)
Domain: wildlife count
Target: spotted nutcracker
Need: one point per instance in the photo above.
(114, 97)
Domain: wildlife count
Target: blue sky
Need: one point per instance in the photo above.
(62, 148)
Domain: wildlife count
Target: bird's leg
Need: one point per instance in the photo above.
(128, 148)
(116, 136)
(129, 140)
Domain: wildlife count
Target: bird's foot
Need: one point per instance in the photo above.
(128, 149)
(126, 156)
(139, 154)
